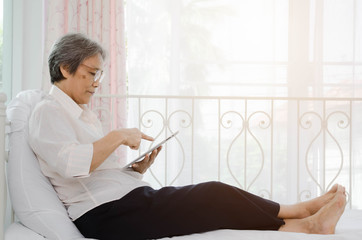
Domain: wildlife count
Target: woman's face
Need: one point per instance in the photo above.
(81, 86)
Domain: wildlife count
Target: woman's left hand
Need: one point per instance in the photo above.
(143, 165)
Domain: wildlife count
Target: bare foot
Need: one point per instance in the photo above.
(309, 208)
(312, 206)
(323, 222)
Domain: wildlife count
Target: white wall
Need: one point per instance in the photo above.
(23, 45)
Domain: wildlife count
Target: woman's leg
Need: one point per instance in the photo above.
(171, 211)
(308, 208)
(323, 221)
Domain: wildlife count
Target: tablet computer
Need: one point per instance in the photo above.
(142, 156)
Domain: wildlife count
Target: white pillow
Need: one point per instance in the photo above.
(33, 198)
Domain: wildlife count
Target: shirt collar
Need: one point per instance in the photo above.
(67, 102)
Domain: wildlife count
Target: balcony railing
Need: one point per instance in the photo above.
(284, 149)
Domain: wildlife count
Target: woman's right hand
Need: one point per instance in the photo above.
(105, 146)
(132, 137)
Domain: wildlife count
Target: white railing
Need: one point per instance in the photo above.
(286, 149)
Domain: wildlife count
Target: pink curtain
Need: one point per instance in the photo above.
(103, 21)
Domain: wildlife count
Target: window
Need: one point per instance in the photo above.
(252, 48)
(245, 48)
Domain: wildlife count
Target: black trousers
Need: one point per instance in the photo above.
(145, 213)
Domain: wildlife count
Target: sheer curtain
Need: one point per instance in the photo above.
(102, 21)
(258, 48)
(279, 50)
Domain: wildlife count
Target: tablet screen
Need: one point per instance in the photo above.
(142, 156)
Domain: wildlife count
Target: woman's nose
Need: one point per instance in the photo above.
(96, 84)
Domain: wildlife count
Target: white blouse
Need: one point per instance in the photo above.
(61, 133)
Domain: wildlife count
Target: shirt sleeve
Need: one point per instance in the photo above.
(54, 141)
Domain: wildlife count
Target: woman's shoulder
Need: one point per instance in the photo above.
(48, 106)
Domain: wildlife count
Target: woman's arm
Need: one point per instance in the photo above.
(109, 143)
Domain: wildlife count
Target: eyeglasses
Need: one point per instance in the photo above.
(98, 75)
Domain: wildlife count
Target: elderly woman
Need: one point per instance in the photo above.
(107, 202)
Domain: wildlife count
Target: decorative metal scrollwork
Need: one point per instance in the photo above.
(147, 122)
(228, 124)
(307, 125)
(265, 193)
(184, 123)
(342, 124)
(324, 126)
(166, 124)
(306, 194)
(263, 124)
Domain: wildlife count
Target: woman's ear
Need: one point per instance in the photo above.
(64, 71)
